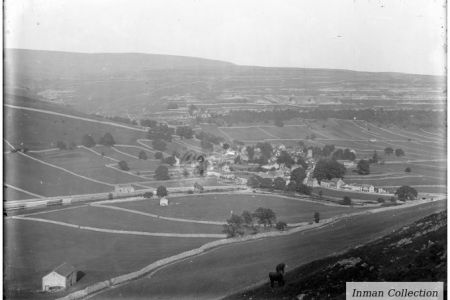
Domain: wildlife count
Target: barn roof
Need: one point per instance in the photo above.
(64, 269)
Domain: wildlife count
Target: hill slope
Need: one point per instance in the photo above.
(417, 252)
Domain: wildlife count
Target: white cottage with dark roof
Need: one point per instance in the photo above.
(62, 277)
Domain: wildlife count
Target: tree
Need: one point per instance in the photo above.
(160, 132)
(247, 218)
(159, 155)
(380, 200)
(328, 169)
(61, 145)
(148, 195)
(159, 145)
(338, 154)
(363, 167)
(303, 189)
(298, 175)
(87, 141)
(279, 183)
(142, 155)
(250, 152)
(301, 162)
(291, 186)
(281, 226)
(149, 123)
(266, 183)
(349, 155)
(225, 146)
(388, 150)
(399, 152)
(266, 149)
(123, 165)
(161, 191)
(185, 173)
(265, 216)
(234, 226)
(170, 160)
(374, 158)
(107, 140)
(162, 173)
(408, 170)
(286, 159)
(346, 200)
(316, 217)
(406, 192)
(254, 181)
(328, 149)
(185, 132)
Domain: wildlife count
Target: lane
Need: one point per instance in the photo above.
(230, 268)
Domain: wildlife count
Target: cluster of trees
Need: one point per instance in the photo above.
(295, 183)
(162, 173)
(328, 169)
(406, 193)
(185, 132)
(160, 132)
(398, 152)
(122, 120)
(88, 141)
(345, 154)
(123, 165)
(172, 105)
(208, 140)
(238, 225)
(159, 144)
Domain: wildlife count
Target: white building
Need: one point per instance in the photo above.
(123, 188)
(163, 202)
(62, 277)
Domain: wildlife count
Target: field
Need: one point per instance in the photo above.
(32, 249)
(226, 269)
(217, 207)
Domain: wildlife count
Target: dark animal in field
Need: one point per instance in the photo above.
(278, 275)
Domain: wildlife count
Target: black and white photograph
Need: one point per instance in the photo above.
(224, 149)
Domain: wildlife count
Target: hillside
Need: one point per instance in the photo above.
(417, 252)
(142, 84)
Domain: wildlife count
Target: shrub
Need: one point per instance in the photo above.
(380, 200)
(110, 196)
(61, 145)
(190, 192)
(159, 145)
(88, 141)
(161, 191)
(408, 170)
(159, 155)
(234, 226)
(265, 216)
(316, 217)
(346, 200)
(162, 173)
(148, 195)
(123, 165)
(281, 225)
(107, 140)
(142, 155)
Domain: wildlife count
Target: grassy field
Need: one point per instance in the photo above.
(228, 269)
(120, 220)
(340, 194)
(30, 175)
(42, 131)
(33, 249)
(88, 164)
(218, 207)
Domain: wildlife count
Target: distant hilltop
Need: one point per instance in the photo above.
(73, 64)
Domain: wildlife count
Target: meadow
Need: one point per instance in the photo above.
(33, 249)
(218, 207)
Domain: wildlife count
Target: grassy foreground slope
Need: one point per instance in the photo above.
(228, 269)
(417, 252)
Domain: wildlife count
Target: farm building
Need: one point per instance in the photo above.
(163, 201)
(62, 277)
(123, 188)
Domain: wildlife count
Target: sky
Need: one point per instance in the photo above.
(368, 35)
